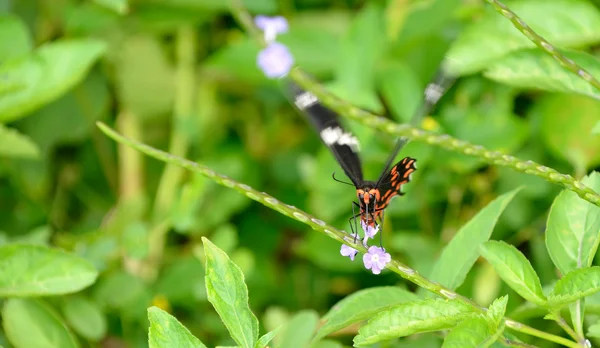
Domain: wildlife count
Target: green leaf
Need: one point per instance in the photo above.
(496, 311)
(594, 330)
(85, 317)
(575, 285)
(300, 329)
(514, 268)
(565, 23)
(463, 250)
(401, 90)
(596, 129)
(15, 40)
(46, 74)
(228, 293)
(471, 332)
(119, 6)
(15, 144)
(362, 305)
(566, 131)
(264, 340)
(166, 331)
(412, 317)
(535, 69)
(572, 230)
(31, 323)
(33, 270)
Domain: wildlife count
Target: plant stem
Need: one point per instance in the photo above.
(565, 326)
(179, 140)
(320, 226)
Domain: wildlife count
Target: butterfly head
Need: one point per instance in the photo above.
(368, 196)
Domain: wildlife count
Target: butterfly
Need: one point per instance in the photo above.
(373, 196)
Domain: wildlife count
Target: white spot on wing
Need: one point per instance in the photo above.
(305, 100)
(337, 136)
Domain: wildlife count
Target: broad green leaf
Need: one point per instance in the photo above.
(166, 331)
(118, 289)
(360, 49)
(575, 285)
(514, 268)
(15, 40)
(119, 6)
(565, 122)
(264, 340)
(463, 250)
(564, 23)
(412, 317)
(401, 90)
(496, 311)
(32, 323)
(228, 293)
(594, 330)
(535, 69)
(15, 144)
(300, 330)
(33, 270)
(362, 305)
(572, 230)
(471, 332)
(46, 74)
(596, 129)
(85, 317)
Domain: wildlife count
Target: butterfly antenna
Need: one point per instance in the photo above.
(338, 180)
(433, 93)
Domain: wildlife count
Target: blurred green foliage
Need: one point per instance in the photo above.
(181, 75)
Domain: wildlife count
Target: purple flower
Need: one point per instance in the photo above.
(275, 60)
(376, 259)
(271, 26)
(370, 231)
(348, 251)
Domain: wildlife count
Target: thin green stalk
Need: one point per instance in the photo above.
(565, 326)
(443, 140)
(179, 140)
(544, 44)
(320, 226)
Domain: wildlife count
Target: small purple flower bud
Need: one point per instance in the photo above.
(376, 259)
(370, 231)
(271, 26)
(275, 60)
(348, 251)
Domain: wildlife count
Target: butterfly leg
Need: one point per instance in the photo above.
(381, 230)
(354, 228)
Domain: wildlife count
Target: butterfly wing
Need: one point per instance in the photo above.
(342, 143)
(391, 183)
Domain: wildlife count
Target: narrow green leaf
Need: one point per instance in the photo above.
(85, 317)
(514, 268)
(166, 331)
(565, 23)
(300, 329)
(572, 230)
(463, 250)
(496, 311)
(34, 270)
(264, 340)
(228, 293)
(46, 74)
(119, 6)
(362, 305)
(15, 144)
(31, 323)
(412, 317)
(471, 332)
(535, 69)
(575, 285)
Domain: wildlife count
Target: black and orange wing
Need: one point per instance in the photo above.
(391, 183)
